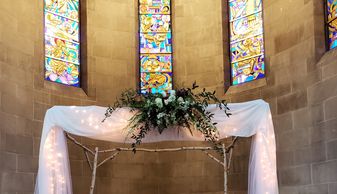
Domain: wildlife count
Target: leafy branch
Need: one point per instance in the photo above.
(185, 108)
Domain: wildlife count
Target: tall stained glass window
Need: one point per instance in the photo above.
(62, 41)
(246, 40)
(155, 39)
(331, 22)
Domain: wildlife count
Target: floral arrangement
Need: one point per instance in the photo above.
(184, 108)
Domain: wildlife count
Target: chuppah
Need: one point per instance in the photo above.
(248, 119)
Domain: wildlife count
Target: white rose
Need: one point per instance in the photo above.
(180, 99)
(171, 98)
(172, 92)
(159, 102)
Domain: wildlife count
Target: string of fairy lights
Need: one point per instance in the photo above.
(54, 154)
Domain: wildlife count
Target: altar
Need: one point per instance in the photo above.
(248, 119)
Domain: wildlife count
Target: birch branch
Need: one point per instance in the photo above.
(157, 149)
(107, 159)
(231, 146)
(79, 144)
(214, 158)
(88, 159)
(93, 179)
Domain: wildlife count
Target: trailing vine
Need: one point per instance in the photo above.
(184, 107)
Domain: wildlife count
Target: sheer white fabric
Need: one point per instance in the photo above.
(248, 119)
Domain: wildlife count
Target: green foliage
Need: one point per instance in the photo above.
(184, 107)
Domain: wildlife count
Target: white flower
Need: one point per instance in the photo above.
(172, 93)
(166, 102)
(159, 102)
(171, 98)
(161, 115)
(185, 107)
(180, 99)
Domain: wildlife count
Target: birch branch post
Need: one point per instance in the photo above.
(93, 179)
(94, 164)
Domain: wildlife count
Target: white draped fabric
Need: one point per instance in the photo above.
(248, 119)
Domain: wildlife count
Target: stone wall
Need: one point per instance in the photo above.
(110, 42)
(300, 87)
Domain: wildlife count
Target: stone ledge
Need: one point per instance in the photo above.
(328, 57)
(247, 86)
(66, 90)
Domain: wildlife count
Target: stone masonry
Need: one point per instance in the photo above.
(301, 87)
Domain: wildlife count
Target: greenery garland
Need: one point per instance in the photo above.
(184, 107)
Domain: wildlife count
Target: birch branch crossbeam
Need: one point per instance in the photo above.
(94, 162)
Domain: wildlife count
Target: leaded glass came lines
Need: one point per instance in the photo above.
(246, 40)
(62, 41)
(331, 22)
(155, 42)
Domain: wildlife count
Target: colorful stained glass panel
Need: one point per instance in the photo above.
(154, 7)
(156, 82)
(62, 72)
(331, 23)
(145, 9)
(62, 50)
(61, 27)
(242, 8)
(332, 27)
(247, 48)
(331, 10)
(155, 23)
(154, 2)
(62, 46)
(246, 40)
(156, 62)
(246, 27)
(248, 70)
(65, 8)
(155, 43)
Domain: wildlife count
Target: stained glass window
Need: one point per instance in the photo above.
(62, 41)
(155, 41)
(246, 40)
(331, 22)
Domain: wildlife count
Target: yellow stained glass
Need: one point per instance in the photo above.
(62, 41)
(155, 42)
(246, 41)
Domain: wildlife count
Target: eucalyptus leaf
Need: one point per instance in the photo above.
(183, 108)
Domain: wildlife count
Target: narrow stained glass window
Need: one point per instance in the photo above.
(155, 39)
(62, 41)
(331, 22)
(246, 40)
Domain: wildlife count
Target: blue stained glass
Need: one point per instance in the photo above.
(155, 23)
(62, 41)
(65, 8)
(246, 41)
(248, 70)
(332, 23)
(247, 48)
(154, 6)
(156, 82)
(242, 8)
(155, 43)
(331, 10)
(62, 72)
(156, 63)
(246, 27)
